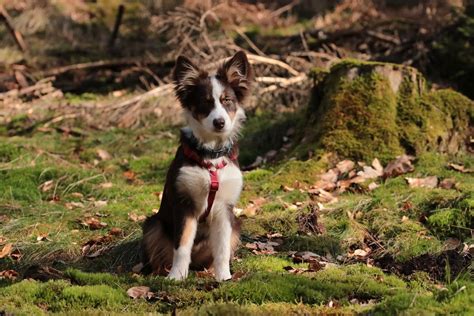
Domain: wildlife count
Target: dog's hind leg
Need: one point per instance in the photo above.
(157, 248)
(182, 251)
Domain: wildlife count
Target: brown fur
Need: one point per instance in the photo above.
(168, 229)
(163, 232)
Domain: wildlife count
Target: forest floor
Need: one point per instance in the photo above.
(84, 151)
(72, 203)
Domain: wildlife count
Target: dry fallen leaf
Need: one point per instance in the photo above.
(103, 154)
(43, 237)
(48, 185)
(325, 185)
(401, 165)
(252, 208)
(8, 275)
(286, 188)
(368, 173)
(322, 196)
(428, 182)
(359, 253)
(330, 176)
(345, 166)
(377, 166)
(72, 205)
(100, 203)
(77, 195)
(262, 248)
(106, 185)
(140, 292)
(448, 183)
(372, 186)
(136, 218)
(130, 176)
(204, 274)
(93, 223)
(460, 168)
(6, 250)
(96, 246)
(115, 231)
(238, 275)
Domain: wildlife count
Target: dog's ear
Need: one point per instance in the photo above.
(238, 73)
(186, 76)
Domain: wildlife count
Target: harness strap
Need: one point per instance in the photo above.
(214, 184)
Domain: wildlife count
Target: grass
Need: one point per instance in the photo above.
(130, 181)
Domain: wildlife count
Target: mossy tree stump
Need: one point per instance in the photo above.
(364, 110)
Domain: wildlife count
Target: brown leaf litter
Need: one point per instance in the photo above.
(140, 292)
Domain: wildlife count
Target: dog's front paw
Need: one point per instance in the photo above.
(223, 276)
(177, 275)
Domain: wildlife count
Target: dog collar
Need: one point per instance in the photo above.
(188, 138)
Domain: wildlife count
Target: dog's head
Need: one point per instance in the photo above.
(212, 103)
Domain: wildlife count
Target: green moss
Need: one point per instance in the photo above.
(452, 222)
(61, 296)
(365, 110)
(332, 283)
(265, 264)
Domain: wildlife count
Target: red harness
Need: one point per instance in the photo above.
(212, 168)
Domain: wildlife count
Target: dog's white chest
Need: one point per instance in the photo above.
(195, 182)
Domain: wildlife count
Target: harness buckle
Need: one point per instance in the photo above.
(214, 185)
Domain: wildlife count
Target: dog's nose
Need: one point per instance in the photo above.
(219, 123)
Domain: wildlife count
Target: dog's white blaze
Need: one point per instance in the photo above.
(218, 111)
(182, 256)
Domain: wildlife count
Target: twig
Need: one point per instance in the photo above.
(384, 37)
(16, 35)
(249, 41)
(118, 21)
(255, 59)
(284, 8)
(91, 65)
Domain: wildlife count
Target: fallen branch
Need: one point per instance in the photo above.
(41, 88)
(249, 41)
(255, 59)
(5, 17)
(92, 65)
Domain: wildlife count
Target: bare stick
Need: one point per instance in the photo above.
(249, 41)
(255, 59)
(16, 35)
(118, 21)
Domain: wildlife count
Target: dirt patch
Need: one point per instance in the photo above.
(436, 265)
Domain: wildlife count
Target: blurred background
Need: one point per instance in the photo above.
(356, 152)
(85, 52)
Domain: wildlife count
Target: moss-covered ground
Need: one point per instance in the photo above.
(51, 183)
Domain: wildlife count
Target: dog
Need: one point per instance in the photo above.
(195, 226)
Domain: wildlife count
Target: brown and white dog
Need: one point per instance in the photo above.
(195, 226)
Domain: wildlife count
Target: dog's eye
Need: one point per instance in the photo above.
(227, 100)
